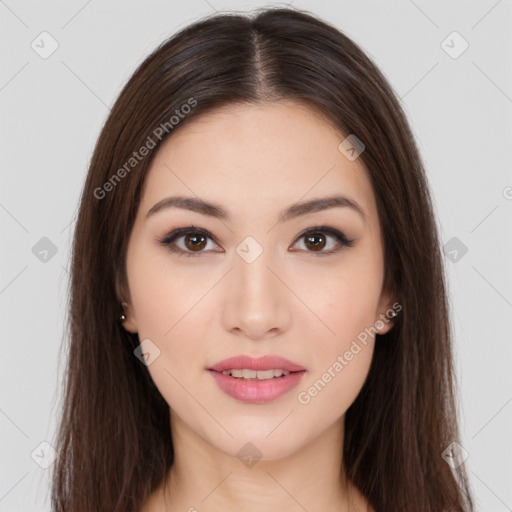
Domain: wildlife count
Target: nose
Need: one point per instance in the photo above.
(257, 301)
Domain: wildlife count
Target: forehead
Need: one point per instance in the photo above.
(257, 158)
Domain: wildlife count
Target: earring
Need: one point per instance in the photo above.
(122, 318)
(392, 315)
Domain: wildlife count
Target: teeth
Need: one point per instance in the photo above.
(249, 374)
(256, 374)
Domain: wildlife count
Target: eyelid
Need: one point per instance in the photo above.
(335, 233)
(341, 238)
(174, 234)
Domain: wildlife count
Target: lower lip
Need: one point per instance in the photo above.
(257, 391)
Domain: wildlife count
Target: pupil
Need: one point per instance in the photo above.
(315, 245)
(313, 241)
(197, 241)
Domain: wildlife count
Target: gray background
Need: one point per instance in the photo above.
(52, 110)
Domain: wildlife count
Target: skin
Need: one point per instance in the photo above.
(255, 161)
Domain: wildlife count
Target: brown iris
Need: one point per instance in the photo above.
(312, 241)
(197, 242)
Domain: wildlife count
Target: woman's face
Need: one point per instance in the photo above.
(247, 279)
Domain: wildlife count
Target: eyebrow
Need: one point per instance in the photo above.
(296, 210)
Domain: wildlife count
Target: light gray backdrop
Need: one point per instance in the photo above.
(63, 64)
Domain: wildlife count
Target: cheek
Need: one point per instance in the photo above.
(163, 296)
(345, 302)
(344, 299)
(170, 313)
(327, 394)
(167, 306)
(342, 354)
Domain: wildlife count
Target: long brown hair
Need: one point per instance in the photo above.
(114, 443)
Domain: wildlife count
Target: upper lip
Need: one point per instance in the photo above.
(267, 362)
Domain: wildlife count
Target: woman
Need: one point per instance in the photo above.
(258, 315)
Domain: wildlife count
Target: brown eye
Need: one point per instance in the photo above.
(192, 241)
(323, 240)
(189, 241)
(315, 241)
(195, 242)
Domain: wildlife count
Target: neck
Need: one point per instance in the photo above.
(205, 478)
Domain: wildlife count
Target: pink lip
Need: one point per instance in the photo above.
(261, 363)
(254, 391)
(257, 391)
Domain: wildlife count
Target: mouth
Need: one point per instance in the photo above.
(256, 380)
(257, 375)
(263, 363)
(245, 385)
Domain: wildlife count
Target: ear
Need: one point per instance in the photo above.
(130, 322)
(123, 295)
(387, 310)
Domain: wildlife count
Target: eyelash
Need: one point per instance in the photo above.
(326, 230)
